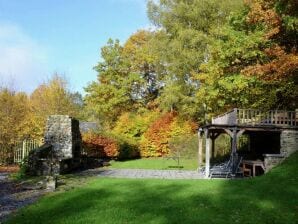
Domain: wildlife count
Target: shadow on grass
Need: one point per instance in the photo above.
(268, 199)
(178, 167)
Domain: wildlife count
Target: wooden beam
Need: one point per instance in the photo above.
(214, 135)
(231, 133)
(228, 131)
(240, 133)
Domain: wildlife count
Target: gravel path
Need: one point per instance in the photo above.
(15, 195)
(144, 173)
(3, 176)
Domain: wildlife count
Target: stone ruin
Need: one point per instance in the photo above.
(61, 150)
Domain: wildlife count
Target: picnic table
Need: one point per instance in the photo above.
(175, 157)
(251, 165)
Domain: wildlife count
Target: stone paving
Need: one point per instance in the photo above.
(144, 173)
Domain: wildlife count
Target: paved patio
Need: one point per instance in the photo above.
(144, 173)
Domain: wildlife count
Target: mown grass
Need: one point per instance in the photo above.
(156, 163)
(272, 198)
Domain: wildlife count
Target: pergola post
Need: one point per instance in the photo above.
(200, 149)
(234, 134)
(207, 153)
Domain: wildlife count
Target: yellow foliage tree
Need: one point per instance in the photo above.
(52, 97)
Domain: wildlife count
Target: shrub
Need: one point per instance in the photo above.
(104, 146)
(99, 146)
(128, 151)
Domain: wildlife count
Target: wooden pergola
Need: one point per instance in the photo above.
(238, 121)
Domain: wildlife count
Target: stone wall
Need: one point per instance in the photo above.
(272, 160)
(288, 145)
(288, 142)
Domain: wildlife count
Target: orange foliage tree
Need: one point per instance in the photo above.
(280, 24)
(155, 141)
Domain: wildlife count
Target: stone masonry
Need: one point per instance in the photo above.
(288, 145)
(272, 160)
(288, 142)
(62, 148)
(63, 133)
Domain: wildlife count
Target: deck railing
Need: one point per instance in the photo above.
(257, 117)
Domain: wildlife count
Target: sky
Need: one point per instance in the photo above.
(41, 37)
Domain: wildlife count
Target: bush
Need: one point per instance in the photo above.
(104, 146)
(99, 146)
(128, 151)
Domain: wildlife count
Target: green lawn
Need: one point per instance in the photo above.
(272, 198)
(156, 163)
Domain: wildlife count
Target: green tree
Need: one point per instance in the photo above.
(126, 78)
(182, 45)
(142, 61)
(250, 65)
(111, 94)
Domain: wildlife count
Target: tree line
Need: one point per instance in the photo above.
(202, 58)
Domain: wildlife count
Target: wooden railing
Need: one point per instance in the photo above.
(257, 117)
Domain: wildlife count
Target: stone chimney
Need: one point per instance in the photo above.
(63, 133)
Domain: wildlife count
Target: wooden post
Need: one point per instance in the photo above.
(234, 150)
(207, 153)
(296, 117)
(200, 150)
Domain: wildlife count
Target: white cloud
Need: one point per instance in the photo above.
(22, 60)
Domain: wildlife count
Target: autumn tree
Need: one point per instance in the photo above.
(52, 97)
(279, 21)
(14, 112)
(250, 64)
